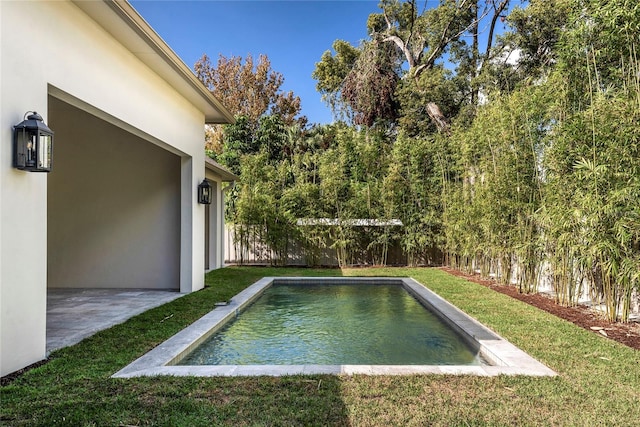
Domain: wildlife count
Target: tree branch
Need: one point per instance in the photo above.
(405, 49)
(446, 38)
(436, 115)
(494, 20)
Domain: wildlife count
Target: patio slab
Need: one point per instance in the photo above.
(75, 314)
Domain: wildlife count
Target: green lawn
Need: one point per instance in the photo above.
(598, 382)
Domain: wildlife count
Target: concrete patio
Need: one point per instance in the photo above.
(75, 314)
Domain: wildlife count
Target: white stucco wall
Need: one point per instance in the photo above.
(64, 53)
(215, 224)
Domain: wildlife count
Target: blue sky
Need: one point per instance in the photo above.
(293, 34)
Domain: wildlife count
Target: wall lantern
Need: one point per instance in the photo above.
(32, 144)
(204, 192)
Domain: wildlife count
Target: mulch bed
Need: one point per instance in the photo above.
(583, 316)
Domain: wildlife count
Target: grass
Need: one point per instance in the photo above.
(598, 381)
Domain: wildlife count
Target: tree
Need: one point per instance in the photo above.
(247, 89)
(331, 72)
(405, 44)
(237, 140)
(369, 87)
(536, 32)
(424, 38)
(272, 137)
(437, 88)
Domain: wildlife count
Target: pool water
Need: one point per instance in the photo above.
(344, 324)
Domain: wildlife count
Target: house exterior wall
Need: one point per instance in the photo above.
(55, 49)
(114, 207)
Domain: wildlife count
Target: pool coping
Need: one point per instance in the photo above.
(505, 358)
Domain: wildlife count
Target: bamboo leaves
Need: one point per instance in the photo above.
(603, 204)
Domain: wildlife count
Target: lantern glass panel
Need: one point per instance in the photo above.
(44, 150)
(20, 147)
(31, 149)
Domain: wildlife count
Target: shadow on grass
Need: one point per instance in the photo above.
(171, 401)
(315, 400)
(75, 387)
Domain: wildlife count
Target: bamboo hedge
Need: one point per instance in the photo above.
(551, 172)
(540, 182)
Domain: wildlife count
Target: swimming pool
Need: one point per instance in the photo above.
(337, 324)
(500, 356)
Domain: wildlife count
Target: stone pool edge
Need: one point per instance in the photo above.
(506, 358)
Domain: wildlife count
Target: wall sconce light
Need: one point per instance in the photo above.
(32, 144)
(204, 192)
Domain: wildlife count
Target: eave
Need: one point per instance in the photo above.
(130, 29)
(220, 170)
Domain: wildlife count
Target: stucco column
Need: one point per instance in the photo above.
(221, 225)
(214, 233)
(192, 216)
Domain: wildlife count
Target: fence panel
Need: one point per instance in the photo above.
(254, 252)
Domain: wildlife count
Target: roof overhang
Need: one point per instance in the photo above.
(220, 170)
(126, 25)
